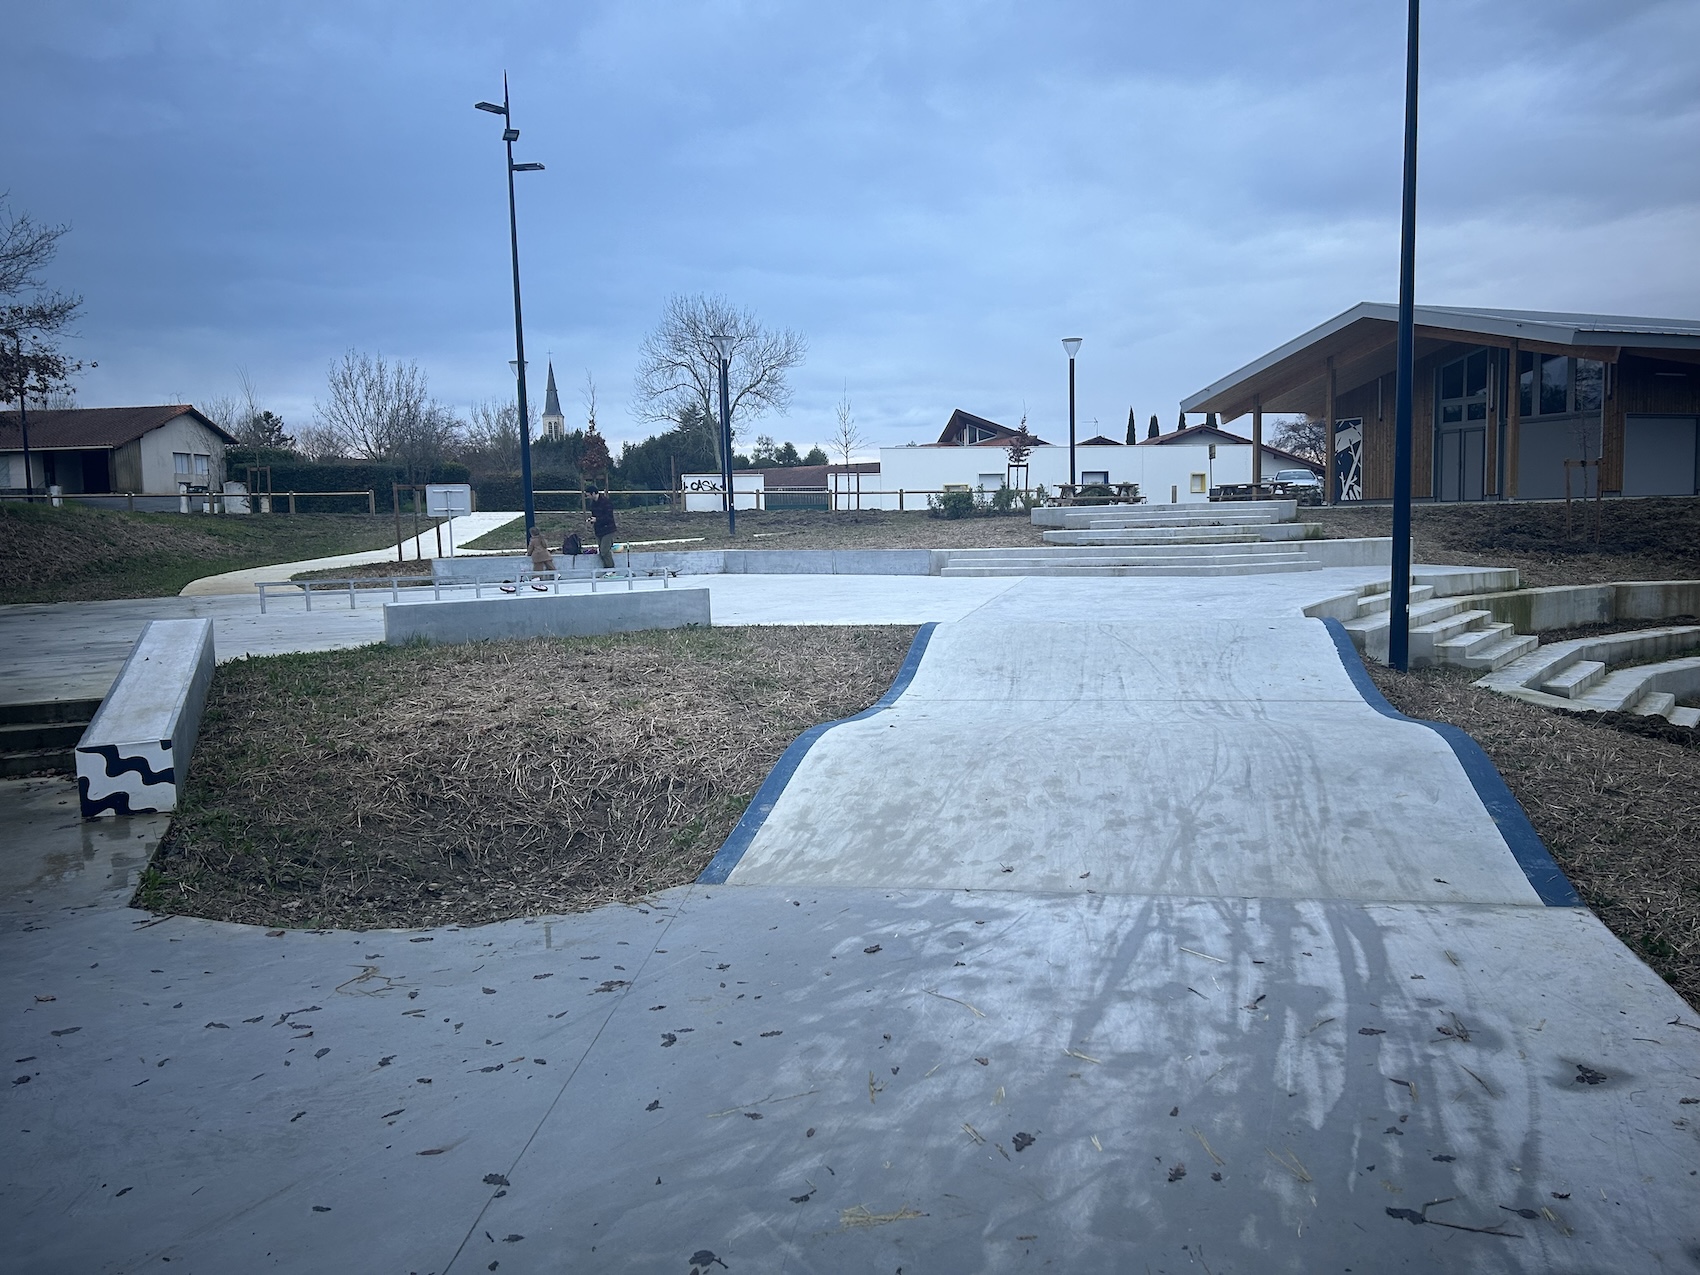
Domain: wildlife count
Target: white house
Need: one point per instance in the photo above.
(159, 451)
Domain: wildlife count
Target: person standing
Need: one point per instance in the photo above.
(538, 550)
(603, 524)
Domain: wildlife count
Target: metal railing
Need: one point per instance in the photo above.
(538, 581)
(188, 501)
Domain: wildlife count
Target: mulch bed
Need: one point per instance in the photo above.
(1615, 797)
(427, 785)
(1643, 539)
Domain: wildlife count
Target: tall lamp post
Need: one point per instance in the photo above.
(723, 349)
(510, 135)
(1072, 345)
(1399, 608)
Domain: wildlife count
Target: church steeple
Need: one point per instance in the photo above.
(554, 424)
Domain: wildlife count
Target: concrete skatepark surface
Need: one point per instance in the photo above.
(1259, 1036)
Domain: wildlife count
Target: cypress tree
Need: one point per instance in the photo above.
(1155, 429)
(1132, 428)
(1180, 422)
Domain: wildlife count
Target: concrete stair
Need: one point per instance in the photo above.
(1442, 631)
(1197, 514)
(1166, 559)
(1647, 672)
(1580, 678)
(41, 738)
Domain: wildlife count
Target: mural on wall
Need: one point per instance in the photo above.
(1349, 459)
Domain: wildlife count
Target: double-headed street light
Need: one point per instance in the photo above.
(1072, 345)
(510, 135)
(723, 349)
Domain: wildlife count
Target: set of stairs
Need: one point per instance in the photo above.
(1443, 630)
(1247, 522)
(1645, 672)
(1179, 558)
(41, 738)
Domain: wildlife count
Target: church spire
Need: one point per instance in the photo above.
(554, 424)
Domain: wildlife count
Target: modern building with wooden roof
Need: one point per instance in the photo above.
(1508, 404)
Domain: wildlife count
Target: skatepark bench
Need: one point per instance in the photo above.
(134, 756)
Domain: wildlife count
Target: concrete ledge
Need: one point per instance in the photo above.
(543, 615)
(828, 562)
(1350, 553)
(1569, 606)
(134, 756)
(1451, 582)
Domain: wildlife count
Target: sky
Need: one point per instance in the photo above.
(933, 193)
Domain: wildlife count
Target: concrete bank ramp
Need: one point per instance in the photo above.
(1224, 758)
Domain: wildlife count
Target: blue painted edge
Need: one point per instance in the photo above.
(767, 796)
(1548, 879)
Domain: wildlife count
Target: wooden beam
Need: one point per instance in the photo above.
(1328, 425)
(1513, 422)
(1256, 441)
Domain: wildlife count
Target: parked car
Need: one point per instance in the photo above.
(1299, 483)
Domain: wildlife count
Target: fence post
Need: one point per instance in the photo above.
(292, 510)
(351, 593)
(130, 500)
(900, 500)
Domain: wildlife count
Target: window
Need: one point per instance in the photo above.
(1199, 484)
(1553, 384)
(180, 462)
(1464, 389)
(991, 482)
(1095, 476)
(203, 466)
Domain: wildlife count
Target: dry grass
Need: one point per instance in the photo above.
(786, 529)
(1651, 539)
(1616, 798)
(417, 786)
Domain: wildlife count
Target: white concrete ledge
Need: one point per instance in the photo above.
(1570, 606)
(543, 615)
(134, 756)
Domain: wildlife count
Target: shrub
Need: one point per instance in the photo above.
(952, 504)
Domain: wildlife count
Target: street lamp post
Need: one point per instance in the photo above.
(1399, 607)
(1072, 345)
(510, 135)
(723, 350)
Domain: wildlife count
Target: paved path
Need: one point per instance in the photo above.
(1237, 1046)
(416, 549)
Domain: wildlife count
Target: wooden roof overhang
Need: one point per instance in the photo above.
(1360, 345)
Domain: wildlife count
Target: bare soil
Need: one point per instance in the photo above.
(1616, 799)
(785, 529)
(1643, 539)
(409, 786)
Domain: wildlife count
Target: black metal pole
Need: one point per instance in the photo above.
(519, 331)
(726, 453)
(1071, 477)
(24, 419)
(1399, 610)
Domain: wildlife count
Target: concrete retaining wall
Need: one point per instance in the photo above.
(134, 756)
(701, 562)
(1350, 553)
(543, 615)
(1571, 606)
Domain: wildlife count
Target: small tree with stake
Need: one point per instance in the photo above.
(1018, 449)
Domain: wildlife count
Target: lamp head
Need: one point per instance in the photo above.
(722, 345)
(1072, 345)
(491, 107)
(528, 168)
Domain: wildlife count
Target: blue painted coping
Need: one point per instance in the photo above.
(1524, 842)
(767, 796)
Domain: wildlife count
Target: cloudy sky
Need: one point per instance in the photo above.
(934, 193)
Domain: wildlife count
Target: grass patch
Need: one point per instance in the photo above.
(783, 529)
(389, 786)
(80, 553)
(1616, 798)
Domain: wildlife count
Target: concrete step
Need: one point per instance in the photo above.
(29, 737)
(52, 710)
(1459, 647)
(54, 761)
(1154, 536)
(1654, 704)
(1618, 691)
(1422, 613)
(1373, 602)
(1099, 555)
(1575, 680)
(1159, 567)
(1689, 717)
(1492, 658)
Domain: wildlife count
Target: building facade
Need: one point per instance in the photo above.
(160, 451)
(1507, 404)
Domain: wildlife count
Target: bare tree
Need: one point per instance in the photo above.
(678, 364)
(31, 362)
(588, 394)
(846, 437)
(1305, 436)
(370, 404)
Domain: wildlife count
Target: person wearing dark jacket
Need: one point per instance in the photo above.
(603, 524)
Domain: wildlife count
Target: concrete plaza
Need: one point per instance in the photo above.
(1128, 936)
